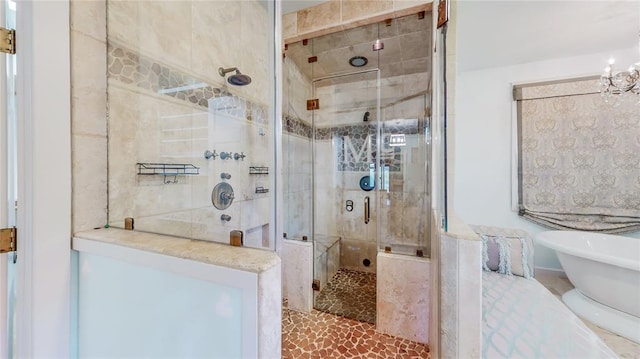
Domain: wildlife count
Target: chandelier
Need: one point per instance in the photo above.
(620, 82)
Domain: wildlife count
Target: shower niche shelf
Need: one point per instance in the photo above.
(258, 170)
(167, 170)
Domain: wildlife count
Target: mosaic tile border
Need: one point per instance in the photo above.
(131, 68)
(296, 126)
(357, 135)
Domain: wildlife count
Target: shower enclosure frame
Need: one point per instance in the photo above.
(379, 186)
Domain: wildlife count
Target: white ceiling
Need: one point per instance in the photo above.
(500, 33)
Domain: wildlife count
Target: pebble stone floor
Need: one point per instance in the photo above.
(323, 335)
(350, 294)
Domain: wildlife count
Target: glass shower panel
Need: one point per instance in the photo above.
(404, 195)
(405, 137)
(191, 118)
(345, 201)
(297, 142)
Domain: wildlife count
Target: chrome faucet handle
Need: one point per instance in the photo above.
(226, 196)
(225, 155)
(225, 217)
(238, 156)
(208, 154)
(225, 175)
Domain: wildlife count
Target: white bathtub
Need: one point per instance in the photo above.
(605, 270)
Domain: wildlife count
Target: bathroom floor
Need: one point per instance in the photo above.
(623, 347)
(323, 335)
(350, 294)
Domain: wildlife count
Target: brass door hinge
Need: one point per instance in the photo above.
(8, 240)
(7, 40)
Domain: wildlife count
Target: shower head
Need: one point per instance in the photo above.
(366, 116)
(238, 79)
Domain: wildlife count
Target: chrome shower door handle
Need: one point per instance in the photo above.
(366, 210)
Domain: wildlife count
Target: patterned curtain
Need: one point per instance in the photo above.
(578, 157)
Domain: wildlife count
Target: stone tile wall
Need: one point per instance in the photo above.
(88, 114)
(336, 15)
(168, 104)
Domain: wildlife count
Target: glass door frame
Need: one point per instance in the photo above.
(377, 161)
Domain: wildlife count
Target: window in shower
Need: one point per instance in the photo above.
(364, 154)
(191, 118)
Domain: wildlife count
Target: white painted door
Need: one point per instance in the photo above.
(8, 182)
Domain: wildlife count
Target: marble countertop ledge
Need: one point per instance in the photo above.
(239, 258)
(460, 230)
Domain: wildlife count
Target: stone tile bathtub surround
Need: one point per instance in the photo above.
(403, 296)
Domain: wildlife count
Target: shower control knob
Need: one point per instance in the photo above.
(225, 175)
(238, 156)
(225, 155)
(226, 196)
(225, 217)
(208, 154)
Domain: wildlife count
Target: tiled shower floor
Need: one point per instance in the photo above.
(323, 335)
(350, 294)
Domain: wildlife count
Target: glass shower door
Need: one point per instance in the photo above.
(344, 183)
(404, 193)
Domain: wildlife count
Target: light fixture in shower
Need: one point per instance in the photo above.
(239, 79)
(358, 61)
(397, 140)
(378, 45)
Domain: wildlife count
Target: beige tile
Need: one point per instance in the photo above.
(403, 315)
(215, 23)
(289, 25)
(358, 9)
(172, 43)
(470, 292)
(89, 158)
(89, 111)
(270, 312)
(410, 4)
(297, 273)
(320, 16)
(89, 18)
(88, 62)
(122, 21)
(256, 44)
(415, 45)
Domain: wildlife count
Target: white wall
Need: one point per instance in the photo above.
(483, 140)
